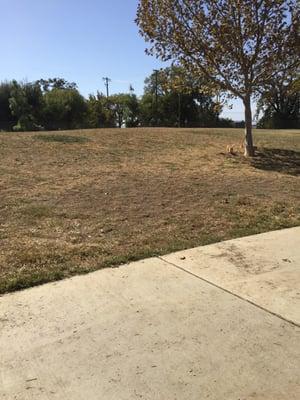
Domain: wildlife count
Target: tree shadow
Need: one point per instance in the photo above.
(280, 160)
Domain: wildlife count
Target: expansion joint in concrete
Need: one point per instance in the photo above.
(229, 292)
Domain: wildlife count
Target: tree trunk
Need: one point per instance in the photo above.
(179, 110)
(120, 121)
(249, 148)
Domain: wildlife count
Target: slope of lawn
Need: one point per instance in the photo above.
(76, 201)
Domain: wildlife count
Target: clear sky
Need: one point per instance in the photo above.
(79, 40)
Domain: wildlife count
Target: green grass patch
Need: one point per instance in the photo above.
(65, 139)
(37, 212)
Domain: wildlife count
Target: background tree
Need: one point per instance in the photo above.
(238, 45)
(279, 104)
(7, 120)
(181, 101)
(55, 83)
(132, 113)
(25, 103)
(125, 108)
(64, 109)
(118, 106)
(56, 104)
(99, 113)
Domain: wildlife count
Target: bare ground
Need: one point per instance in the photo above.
(77, 201)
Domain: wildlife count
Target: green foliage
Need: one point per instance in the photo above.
(51, 104)
(56, 104)
(7, 120)
(99, 112)
(280, 104)
(132, 111)
(55, 83)
(180, 101)
(64, 109)
(172, 97)
(25, 102)
(125, 108)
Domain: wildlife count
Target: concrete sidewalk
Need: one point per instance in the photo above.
(217, 322)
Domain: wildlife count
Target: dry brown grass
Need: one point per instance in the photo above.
(70, 206)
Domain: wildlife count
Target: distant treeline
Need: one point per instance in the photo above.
(170, 99)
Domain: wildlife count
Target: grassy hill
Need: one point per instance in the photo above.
(76, 201)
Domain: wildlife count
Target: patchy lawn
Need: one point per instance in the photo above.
(73, 202)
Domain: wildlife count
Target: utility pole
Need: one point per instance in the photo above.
(106, 83)
(131, 89)
(156, 96)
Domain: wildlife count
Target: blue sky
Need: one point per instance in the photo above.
(81, 41)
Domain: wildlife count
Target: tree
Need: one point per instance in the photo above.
(54, 103)
(99, 114)
(280, 104)
(118, 106)
(237, 45)
(7, 120)
(125, 108)
(132, 114)
(25, 103)
(180, 102)
(64, 109)
(55, 83)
